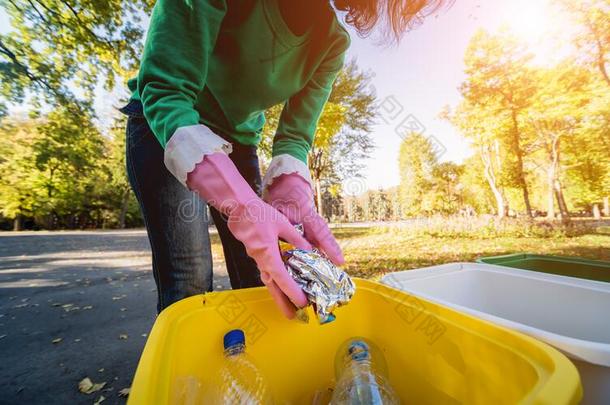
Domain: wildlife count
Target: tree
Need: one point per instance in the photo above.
(555, 116)
(476, 192)
(446, 194)
(593, 38)
(416, 162)
(498, 79)
(117, 195)
(482, 125)
(58, 45)
(19, 175)
(342, 140)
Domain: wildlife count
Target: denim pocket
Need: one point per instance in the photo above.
(137, 130)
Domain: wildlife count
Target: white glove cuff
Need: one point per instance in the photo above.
(285, 164)
(187, 147)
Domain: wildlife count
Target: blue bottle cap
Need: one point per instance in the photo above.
(234, 337)
(359, 350)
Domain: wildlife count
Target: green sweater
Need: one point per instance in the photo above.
(222, 63)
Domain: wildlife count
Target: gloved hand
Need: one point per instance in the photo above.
(254, 223)
(292, 196)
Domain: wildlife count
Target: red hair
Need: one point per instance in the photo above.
(398, 16)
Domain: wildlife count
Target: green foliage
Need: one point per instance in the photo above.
(540, 134)
(416, 162)
(59, 171)
(57, 45)
(343, 136)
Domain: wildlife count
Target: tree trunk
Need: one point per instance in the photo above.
(561, 202)
(124, 208)
(491, 180)
(606, 206)
(17, 223)
(519, 154)
(319, 199)
(556, 185)
(550, 211)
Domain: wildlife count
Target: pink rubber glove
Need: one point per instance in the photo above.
(292, 196)
(254, 223)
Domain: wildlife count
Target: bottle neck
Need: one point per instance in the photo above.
(234, 350)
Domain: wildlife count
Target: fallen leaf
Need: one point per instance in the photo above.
(88, 307)
(56, 340)
(21, 305)
(57, 304)
(77, 340)
(120, 297)
(99, 400)
(2, 336)
(123, 309)
(144, 334)
(123, 336)
(101, 370)
(86, 386)
(125, 392)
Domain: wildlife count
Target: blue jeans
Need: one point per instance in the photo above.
(176, 219)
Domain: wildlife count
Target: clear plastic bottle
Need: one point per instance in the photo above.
(239, 381)
(361, 376)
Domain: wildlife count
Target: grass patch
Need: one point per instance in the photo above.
(373, 251)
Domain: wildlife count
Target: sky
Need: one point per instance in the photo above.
(422, 75)
(416, 79)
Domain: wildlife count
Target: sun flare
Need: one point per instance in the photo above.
(541, 25)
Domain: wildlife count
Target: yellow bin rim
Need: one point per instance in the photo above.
(471, 361)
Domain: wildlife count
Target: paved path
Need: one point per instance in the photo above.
(92, 290)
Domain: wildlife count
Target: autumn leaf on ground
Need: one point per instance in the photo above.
(88, 307)
(123, 336)
(125, 392)
(86, 386)
(119, 297)
(99, 400)
(56, 340)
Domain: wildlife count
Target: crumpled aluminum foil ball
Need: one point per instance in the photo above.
(327, 286)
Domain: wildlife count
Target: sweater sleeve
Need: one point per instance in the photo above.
(299, 118)
(173, 71)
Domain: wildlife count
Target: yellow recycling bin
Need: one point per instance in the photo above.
(434, 354)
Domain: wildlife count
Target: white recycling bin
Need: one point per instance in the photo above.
(568, 313)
